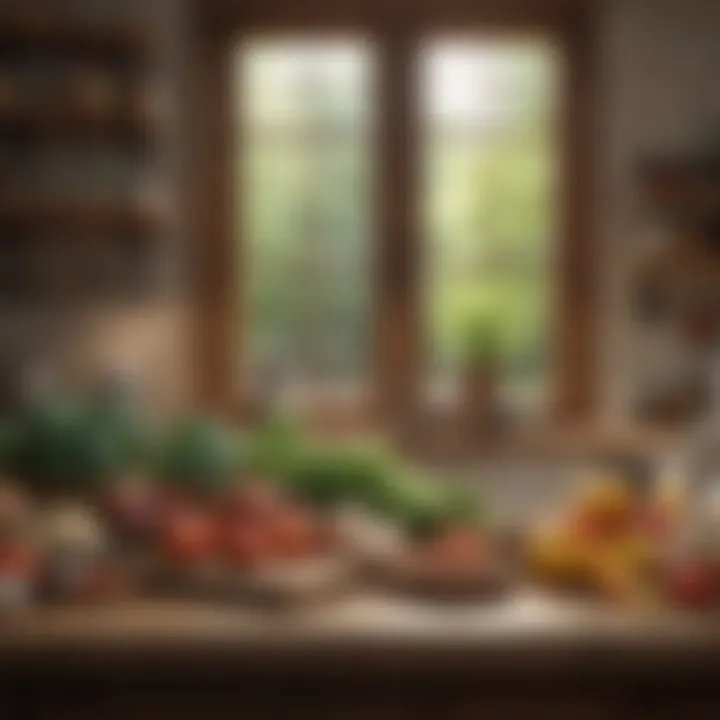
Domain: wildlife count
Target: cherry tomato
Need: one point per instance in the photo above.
(246, 545)
(17, 561)
(691, 585)
(293, 534)
(252, 503)
(188, 537)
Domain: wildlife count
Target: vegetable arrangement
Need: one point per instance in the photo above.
(99, 502)
(628, 548)
(201, 499)
(69, 445)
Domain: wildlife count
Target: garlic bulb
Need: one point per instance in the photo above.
(368, 536)
(71, 527)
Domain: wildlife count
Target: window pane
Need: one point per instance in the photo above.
(303, 109)
(488, 211)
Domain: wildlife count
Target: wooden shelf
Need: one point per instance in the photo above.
(78, 214)
(682, 187)
(42, 32)
(70, 121)
(48, 37)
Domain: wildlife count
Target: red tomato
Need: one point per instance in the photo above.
(14, 507)
(246, 546)
(691, 585)
(188, 537)
(252, 503)
(293, 534)
(17, 561)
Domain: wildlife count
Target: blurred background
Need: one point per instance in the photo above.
(482, 236)
(443, 221)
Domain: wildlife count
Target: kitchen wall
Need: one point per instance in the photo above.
(58, 341)
(659, 63)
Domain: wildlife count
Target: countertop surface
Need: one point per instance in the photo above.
(368, 630)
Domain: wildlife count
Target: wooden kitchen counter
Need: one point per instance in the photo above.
(377, 657)
(376, 631)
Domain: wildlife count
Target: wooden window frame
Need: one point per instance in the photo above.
(396, 29)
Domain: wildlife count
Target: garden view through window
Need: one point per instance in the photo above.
(306, 112)
(487, 210)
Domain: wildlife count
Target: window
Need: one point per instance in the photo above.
(304, 112)
(361, 248)
(488, 204)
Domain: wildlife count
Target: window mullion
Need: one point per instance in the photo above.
(397, 312)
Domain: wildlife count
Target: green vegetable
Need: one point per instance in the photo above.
(201, 455)
(462, 505)
(75, 444)
(422, 506)
(135, 439)
(274, 449)
(481, 340)
(70, 444)
(373, 478)
(332, 476)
